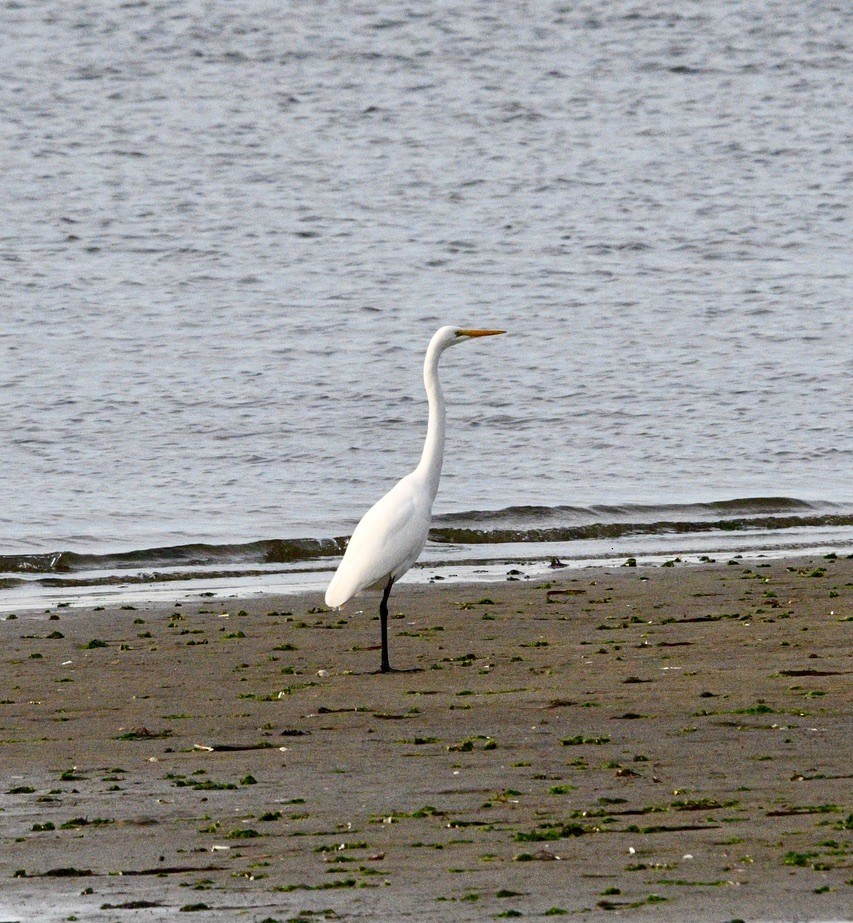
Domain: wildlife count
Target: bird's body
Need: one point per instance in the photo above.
(391, 534)
(386, 542)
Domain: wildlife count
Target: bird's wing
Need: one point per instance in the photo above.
(385, 543)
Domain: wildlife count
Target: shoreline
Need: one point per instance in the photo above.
(654, 743)
(478, 564)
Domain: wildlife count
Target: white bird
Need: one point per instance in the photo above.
(392, 533)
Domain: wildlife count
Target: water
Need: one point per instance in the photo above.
(227, 233)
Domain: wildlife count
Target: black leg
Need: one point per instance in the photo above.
(383, 621)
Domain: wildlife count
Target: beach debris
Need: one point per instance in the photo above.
(556, 562)
(795, 810)
(66, 872)
(70, 775)
(541, 855)
(85, 822)
(580, 739)
(323, 673)
(143, 733)
(174, 869)
(813, 672)
(671, 828)
(322, 710)
(243, 833)
(232, 748)
(131, 905)
(467, 745)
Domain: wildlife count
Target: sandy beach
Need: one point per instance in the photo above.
(649, 744)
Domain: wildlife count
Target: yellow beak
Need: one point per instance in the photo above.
(479, 333)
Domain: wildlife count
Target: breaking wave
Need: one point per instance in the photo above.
(517, 524)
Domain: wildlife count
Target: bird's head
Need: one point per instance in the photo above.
(450, 335)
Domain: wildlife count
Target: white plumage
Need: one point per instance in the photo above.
(391, 534)
(385, 543)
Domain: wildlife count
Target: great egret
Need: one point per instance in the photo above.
(391, 534)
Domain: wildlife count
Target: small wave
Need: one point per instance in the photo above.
(126, 579)
(571, 523)
(578, 515)
(272, 551)
(517, 524)
(613, 530)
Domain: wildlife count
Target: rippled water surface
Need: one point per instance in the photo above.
(227, 232)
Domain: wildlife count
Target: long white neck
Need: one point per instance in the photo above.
(433, 455)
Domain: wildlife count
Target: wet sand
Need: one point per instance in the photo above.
(668, 743)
